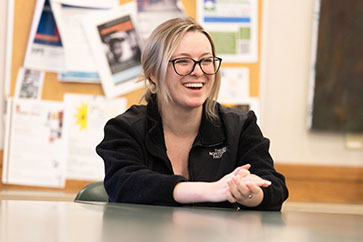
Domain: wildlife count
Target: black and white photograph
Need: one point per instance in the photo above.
(29, 84)
(121, 44)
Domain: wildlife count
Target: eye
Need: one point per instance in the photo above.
(208, 60)
(183, 61)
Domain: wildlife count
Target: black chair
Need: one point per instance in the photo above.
(93, 192)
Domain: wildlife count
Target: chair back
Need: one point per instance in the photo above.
(93, 192)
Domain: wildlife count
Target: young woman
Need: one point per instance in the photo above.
(183, 147)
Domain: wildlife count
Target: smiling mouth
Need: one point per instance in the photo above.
(195, 86)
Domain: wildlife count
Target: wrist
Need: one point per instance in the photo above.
(206, 191)
(191, 192)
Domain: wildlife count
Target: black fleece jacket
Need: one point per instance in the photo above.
(137, 168)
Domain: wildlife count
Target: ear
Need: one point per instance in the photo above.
(152, 78)
(152, 87)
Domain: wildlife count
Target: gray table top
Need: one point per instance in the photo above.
(67, 221)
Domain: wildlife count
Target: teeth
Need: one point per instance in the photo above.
(195, 85)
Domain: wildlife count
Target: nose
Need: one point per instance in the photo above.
(197, 70)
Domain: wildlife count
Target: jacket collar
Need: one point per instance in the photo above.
(210, 133)
(156, 127)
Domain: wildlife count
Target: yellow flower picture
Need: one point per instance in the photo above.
(81, 116)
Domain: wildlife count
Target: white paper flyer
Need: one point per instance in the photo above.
(34, 152)
(84, 120)
(234, 85)
(79, 63)
(153, 13)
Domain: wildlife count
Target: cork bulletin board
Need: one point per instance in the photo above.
(55, 90)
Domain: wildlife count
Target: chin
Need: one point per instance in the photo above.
(195, 103)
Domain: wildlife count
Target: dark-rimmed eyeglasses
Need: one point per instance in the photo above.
(183, 66)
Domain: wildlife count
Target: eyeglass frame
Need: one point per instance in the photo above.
(195, 63)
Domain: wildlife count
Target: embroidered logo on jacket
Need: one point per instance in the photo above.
(218, 153)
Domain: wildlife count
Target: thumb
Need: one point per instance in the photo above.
(238, 169)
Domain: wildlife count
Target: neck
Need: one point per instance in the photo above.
(181, 122)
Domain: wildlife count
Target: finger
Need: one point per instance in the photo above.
(243, 173)
(242, 186)
(234, 190)
(244, 167)
(262, 182)
(232, 187)
(266, 183)
(242, 191)
(254, 190)
(259, 181)
(230, 197)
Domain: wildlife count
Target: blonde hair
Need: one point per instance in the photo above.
(157, 52)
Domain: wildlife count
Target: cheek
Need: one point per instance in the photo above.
(172, 77)
(169, 77)
(211, 81)
(172, 82)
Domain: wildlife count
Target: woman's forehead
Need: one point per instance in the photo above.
(194, 42)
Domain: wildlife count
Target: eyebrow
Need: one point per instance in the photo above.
(188, 55)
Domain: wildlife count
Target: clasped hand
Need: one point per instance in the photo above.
(243, 187)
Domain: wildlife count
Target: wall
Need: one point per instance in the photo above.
(284, 87)
(285, 67)
(3, 22)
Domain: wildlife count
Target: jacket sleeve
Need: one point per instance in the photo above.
(127, 176)
(254, 149)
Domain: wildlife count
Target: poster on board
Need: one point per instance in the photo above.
(233, 26)
(235, 85)
(152, 13)
(116, 48)
(34, 127)
(44, 49)
(29, 84)
(84, 119)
